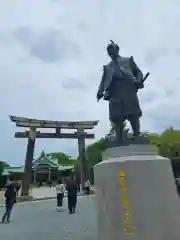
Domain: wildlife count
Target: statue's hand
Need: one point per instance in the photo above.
(99, 96)
(141, 85)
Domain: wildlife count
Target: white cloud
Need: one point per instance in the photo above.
(51, 60)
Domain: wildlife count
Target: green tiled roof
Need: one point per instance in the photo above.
(43, 159)
(64, 168)
(8, 170)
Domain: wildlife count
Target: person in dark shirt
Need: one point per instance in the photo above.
(10, 200)
(72, 195)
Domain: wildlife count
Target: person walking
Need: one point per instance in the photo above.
(17, 187)
(49, 183)
(72, 191)
(78, 185)
(87, 187)
(60, 190)
(10, 200)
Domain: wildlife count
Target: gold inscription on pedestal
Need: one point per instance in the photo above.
(128, 226)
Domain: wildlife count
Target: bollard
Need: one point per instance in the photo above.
(136, 195)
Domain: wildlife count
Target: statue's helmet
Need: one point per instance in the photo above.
(113, 45)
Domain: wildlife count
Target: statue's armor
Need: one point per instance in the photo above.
(124, 66)
(120, 88)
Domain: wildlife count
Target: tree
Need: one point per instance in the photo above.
(112, 129)
(154, 138)
(3, 164)
(169, 144)
(62, 158)
(94, 151)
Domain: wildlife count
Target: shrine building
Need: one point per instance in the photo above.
(44, 169)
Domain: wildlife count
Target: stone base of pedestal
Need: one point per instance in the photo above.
(136, 195)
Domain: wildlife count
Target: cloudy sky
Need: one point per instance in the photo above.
(51, 57)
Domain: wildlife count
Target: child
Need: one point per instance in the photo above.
(10, 199)
(60, 190)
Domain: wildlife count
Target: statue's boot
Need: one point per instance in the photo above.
(119, 132)
(135, 124)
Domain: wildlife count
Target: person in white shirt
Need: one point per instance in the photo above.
(87, 186)
(60, 190)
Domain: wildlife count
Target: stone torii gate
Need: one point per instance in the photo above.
(32, 134)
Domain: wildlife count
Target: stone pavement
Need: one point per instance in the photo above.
(1, 197)
(40, 220)
(46, 192)
(37, 193)
(43, 192)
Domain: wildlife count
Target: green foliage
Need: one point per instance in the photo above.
(94, 151)
(168, 144)
(112, 129)
(154, 138)
(3, 164)
(62, 158)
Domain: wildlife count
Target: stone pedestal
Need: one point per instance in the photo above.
(136, 195)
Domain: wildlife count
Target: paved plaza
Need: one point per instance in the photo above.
(43, 192)
(37, 193)
(40, 220)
